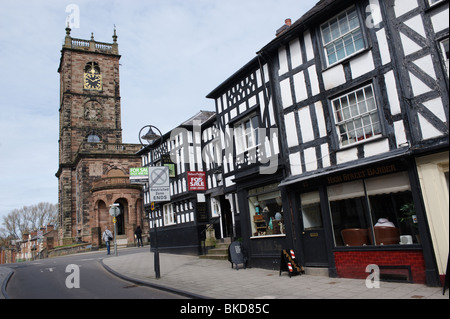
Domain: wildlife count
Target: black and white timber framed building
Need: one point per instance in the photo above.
(338, 126)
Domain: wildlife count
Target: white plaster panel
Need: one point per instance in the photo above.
(296, 165)
(418, 86)
(403, 6)
(306, 124)
(409, 46)
(440, 21)
(308, 45)
(300, 87)
(400, 134)
(437, 108)
(286, 95)
(291, 129)
(313, 80)
(376, 148)
(252, 101)
(296, 53)
(426, 64)
(320, 119)
(333, 77)
(416, 24)
(282, 56)
(428, 130)
(310, 159)
(325, 155)
(347, 155)
(362, 64)
(242, 107)
(392, 92)
(384, 47)
(233, 113)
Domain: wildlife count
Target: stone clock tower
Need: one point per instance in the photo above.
(93, 162)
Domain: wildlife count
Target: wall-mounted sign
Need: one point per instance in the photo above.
(196, 181)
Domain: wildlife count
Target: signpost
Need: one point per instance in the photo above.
(114, 211)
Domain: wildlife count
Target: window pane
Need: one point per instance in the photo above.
(361, 117)
(312, 217)
(347, 209)
(266, 217)
(344, 34)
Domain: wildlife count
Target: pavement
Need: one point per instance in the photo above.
(215, 279)
(198, 278)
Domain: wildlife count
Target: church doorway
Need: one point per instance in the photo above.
(121, 219)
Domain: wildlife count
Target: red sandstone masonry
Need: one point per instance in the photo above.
(352, 264)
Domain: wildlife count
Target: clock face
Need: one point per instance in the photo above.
(92, 81)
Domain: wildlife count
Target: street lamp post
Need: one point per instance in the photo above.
(151, 137)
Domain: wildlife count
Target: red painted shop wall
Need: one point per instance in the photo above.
(352, 264)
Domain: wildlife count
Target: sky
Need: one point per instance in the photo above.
(174, 52)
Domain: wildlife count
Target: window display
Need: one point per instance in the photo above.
(266, 211)
(374, 211)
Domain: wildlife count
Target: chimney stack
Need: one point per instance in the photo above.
(287, 25)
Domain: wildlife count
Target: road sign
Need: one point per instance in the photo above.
(114, 220)
(158, 183)
(114, 211)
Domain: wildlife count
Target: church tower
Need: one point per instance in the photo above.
(90, 140)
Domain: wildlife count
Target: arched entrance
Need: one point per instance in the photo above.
(122, 219)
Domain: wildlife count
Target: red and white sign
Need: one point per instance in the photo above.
(196, 181)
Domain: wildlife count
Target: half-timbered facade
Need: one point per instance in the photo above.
(362, 91)
(356, 95)
(252, 163)
(179, 222)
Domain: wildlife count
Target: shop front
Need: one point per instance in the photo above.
(266, 228)
(367, 215)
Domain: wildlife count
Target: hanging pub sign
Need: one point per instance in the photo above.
(196, 181)
(166, 161)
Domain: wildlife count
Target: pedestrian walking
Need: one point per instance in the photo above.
(138, 234)
(107, 237)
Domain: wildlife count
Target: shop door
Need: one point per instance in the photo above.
(313, 234)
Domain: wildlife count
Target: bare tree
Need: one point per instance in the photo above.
(29, 218)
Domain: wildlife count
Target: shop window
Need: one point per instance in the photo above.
(356, 116)
(342, 36)
(266, 211)
(374, 211)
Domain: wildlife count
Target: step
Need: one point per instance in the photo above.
(218, 251)
(316, 271)
(215, 257)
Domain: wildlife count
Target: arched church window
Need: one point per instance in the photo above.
(93, 139)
